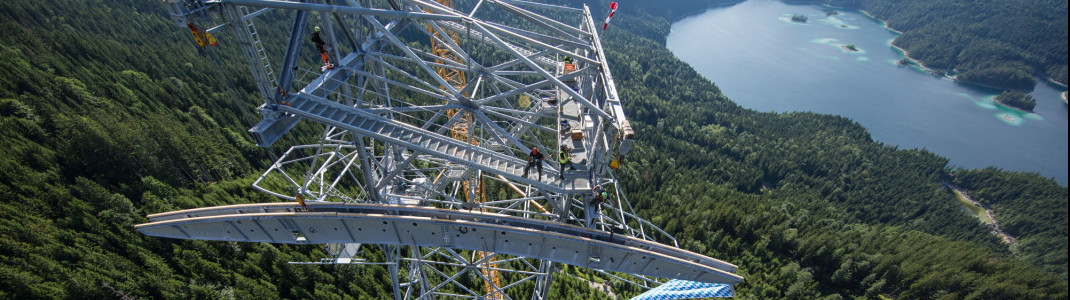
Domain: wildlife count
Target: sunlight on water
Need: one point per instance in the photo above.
(965, 95)
(1009, 119)
(983, 103)
(838, 23)
(787, 19)
(1007, 114)
(1035, 117)
(843, 48)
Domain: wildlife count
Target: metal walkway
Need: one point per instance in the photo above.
(575, 132)
(420, 140)
(309, 104)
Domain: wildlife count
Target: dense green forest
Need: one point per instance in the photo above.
(1003, 44)
(1033, 211)
(111, 114)
(1017, 99)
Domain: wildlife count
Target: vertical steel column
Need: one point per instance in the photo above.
(542, 283)
(392, 255)
(290, 60)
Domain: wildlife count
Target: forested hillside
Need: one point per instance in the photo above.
(1031, 210)
(110, 113)
(1003, 44)
(810, 201)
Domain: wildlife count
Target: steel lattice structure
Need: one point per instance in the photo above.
(429, 113)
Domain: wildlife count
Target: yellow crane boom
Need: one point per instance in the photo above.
(460, 130)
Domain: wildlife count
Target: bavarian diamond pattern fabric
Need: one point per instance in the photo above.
(683, 289)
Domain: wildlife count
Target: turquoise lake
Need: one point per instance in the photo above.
(763, 61)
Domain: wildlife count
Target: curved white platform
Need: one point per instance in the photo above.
(432, 227)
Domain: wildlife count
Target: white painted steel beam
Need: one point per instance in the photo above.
(322, 223)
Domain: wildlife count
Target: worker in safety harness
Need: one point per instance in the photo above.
(566, 159)
(594, 207)
(534, 160)
(600, 196)
(321, 46)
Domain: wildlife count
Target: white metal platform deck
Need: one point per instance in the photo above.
(432, 227)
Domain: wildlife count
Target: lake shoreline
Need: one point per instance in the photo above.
(1056, 82)
(1008, 106)
(906, 55)
(721, 4)
(875, 103)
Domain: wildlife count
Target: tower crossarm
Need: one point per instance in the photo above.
(455, 26)
(612, 105)
(390, 131)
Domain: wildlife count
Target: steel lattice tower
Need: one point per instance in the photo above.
(428, 115)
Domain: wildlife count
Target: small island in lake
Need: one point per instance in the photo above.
(1016, 99)
(850, 47)
(831, 12)
(799, 18)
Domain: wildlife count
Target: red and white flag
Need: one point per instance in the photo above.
(612, 9)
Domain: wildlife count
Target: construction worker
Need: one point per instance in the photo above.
(534, 160)
(598, 199)
(600, 195)
(566, 159)
(321, 46)
(595, 209)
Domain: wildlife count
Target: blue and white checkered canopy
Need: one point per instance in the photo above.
(683, 289)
